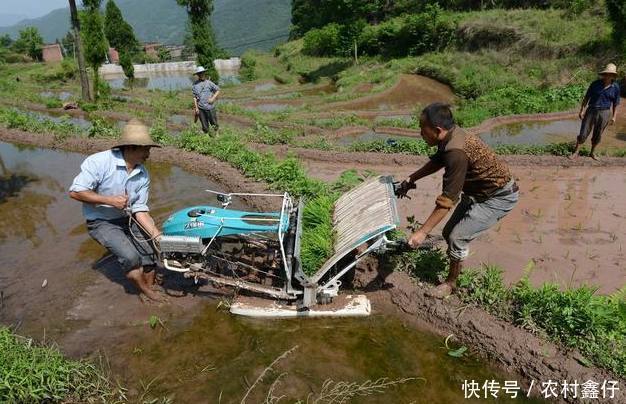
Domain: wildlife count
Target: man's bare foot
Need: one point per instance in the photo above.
(593, 156)
(573, 156)
(442, 291)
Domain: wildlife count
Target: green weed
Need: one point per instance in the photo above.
(36, 373)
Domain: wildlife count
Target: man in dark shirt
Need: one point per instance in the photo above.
(474, 175)
(601, 100)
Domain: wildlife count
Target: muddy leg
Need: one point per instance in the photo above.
(149, 276)
(446, 288)
(575, 152)
(137, 278)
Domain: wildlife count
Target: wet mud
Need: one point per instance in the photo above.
(398, 294)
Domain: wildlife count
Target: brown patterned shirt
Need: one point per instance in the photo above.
(470, 166)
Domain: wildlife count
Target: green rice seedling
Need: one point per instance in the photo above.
(317, 233)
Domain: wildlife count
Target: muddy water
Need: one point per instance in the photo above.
(551, 132)
(200, 351)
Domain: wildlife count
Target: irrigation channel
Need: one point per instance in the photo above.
(198, 352)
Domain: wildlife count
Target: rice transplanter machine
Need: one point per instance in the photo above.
(260, 251)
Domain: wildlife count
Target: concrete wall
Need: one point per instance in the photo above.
(229, 67)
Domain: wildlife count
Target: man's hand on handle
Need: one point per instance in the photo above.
(118, 201)
(403, 188)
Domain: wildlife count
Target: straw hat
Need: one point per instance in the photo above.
(135, 133)
(609, 69)
(200, 69)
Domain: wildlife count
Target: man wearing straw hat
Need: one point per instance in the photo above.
(205, 93)
(601, 100)
(113, 185)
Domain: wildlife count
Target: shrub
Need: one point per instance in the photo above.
(248, 65)
(325, 41)
(413, 34)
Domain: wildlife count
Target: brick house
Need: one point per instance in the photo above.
(52, 53)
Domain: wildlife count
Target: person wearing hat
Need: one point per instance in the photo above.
(205, 93)
(601, 100)
(112, 185)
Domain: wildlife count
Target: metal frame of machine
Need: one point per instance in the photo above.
(361, 219)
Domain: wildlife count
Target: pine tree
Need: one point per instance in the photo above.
(93, 38)
(119, 33)
(199, 14)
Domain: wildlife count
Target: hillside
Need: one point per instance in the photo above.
(238, 25)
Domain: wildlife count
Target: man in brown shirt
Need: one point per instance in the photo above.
(474, 175)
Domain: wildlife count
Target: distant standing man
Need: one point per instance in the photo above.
(602, 99)
(474, 174)
(205, 93)
(112, 185)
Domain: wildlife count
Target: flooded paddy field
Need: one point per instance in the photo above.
(569, 225)
(59, 285)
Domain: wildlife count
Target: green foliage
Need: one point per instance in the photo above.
(12, 118)
(6, 41)
(325, 41)
(29, 42)
(118, 32)
(409, 146)
(68, 44)
(247, 72)
(34, 373)
(53, 103)
(616, 13)
(66, 70)
(317, 232)
(199, 13)
(412, 34)
(102, 128)
(94, 42)
(485, 288)
(577, 317)
(127, 65)
(518, 100)
(159, 133)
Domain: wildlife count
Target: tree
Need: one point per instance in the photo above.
(119, 33)
(93, 38)
(6, 41)
(199, 14)
(616, 10)
(84, 79)
(122, 37)
(68, 44)
(30, 43)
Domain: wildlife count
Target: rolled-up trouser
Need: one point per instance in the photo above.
(596, 119)
(115, 235)
(208, 117)
(471, 218)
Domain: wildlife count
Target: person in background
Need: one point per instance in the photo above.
(601, 102)
(205, 93)
(474, 177)
(112, 185)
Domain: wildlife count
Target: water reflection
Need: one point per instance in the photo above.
(533, 132)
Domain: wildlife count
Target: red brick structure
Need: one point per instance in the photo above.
(114, 56)
(52, 53)
(152, 49)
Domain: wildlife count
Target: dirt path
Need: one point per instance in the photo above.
(94, 314)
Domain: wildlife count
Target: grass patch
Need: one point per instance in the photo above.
(34, 373)
(575, 318)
